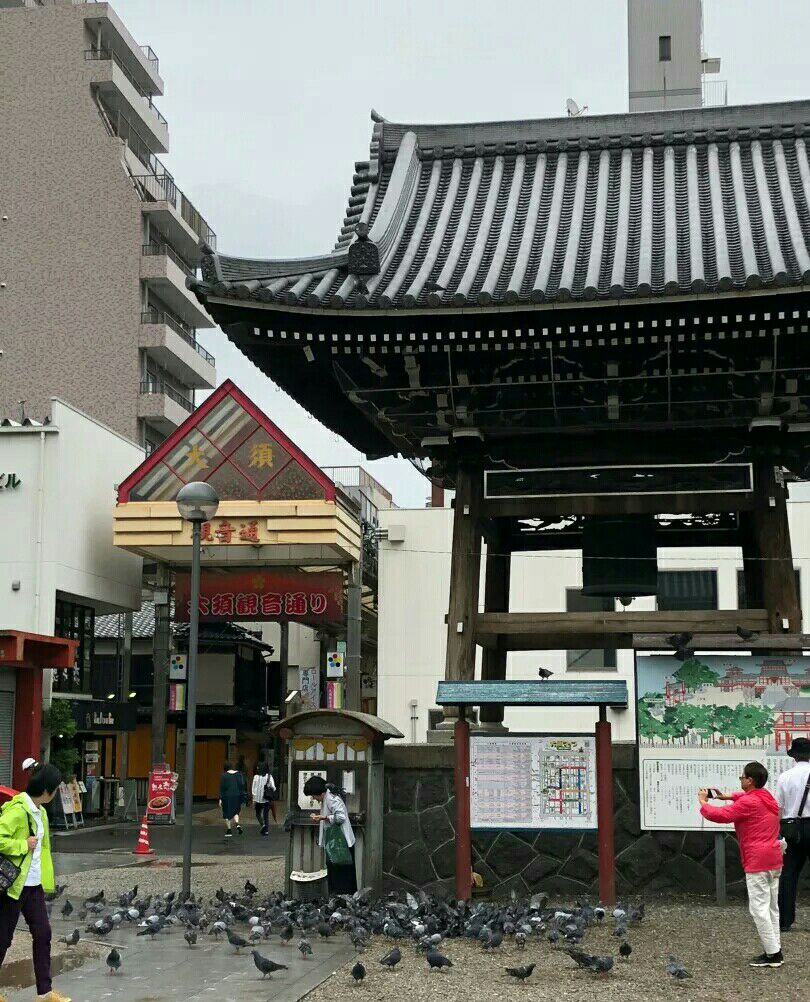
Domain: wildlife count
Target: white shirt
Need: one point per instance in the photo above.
(34, 877)
(259, 787)
(790, 790)
(334, 809)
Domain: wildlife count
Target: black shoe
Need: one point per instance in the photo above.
(768, 960)
(785, 928)
(239, 829)
(229, 833)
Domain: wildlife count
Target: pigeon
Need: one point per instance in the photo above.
(190, 936)
(437, 960)
(250, 889)
(113, 961)
(744, 634)
(358, 972)
(286, 934)
(236, 941)
(72, 939)
(520, 940)
(325, 930)
(256, 934)
(599, 913)
(680, 641)
(392, 958)
(521, 973)
(625, 950)
(266, 965)
(57, 892)
(676, 969)
(544, 673)
(590, 962)
(96, 899)
(304, 948)
(67, 908)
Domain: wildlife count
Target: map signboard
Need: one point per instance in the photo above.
(699, 721)
(533, 781)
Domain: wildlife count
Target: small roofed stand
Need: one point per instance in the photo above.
(345, 748)
(598, 694)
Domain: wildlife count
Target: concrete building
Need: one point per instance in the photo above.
(667, 66)
(96, 239)
(414, 587)
(58, 566)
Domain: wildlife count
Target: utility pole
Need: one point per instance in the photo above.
(161, 652)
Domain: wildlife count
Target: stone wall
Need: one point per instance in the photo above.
(419, 840)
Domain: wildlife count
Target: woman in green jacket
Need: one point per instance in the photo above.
(24, 838)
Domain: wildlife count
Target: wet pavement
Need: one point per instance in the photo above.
(168, 969)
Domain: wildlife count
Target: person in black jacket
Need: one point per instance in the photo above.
(232, 794)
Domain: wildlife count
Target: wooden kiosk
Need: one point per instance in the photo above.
(346, 748)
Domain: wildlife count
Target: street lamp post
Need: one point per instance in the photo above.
(197, 503)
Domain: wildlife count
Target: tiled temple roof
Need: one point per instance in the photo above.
(554, 211)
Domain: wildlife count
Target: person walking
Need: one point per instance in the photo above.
(232, 795)
(261, 790)
(335, 836)
(793, 794)
(25, 839)
(755, 816)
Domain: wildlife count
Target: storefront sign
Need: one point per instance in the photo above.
(103, 715)
(271, 595)
(310, 687)
(177, 696)
(334, 695)
(9, 481)
(160, 802)
(66, 799)
(76, 795)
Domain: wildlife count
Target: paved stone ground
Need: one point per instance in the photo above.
(168, 969)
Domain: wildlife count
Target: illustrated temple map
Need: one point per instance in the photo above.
(533, 781)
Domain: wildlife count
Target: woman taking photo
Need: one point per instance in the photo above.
(335, 836)
(25, 839)
(232, 794)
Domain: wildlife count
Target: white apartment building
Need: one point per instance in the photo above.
(96, 238)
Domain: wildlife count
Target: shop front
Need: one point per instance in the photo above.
(99, 725)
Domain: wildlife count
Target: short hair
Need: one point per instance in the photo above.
(314, 786)
(261, 769)
(757, 772)
(44, 779)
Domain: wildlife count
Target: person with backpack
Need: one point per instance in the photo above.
(755, 816)
(262, 791)
(793, 794)
(26, 845)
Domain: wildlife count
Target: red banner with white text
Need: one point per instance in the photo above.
(277, 595)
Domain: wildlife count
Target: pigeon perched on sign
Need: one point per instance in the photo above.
(544, 673)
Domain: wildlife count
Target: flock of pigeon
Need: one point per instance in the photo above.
(247, 920)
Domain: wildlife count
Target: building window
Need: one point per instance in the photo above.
(75, 622)
(687, 590)
(575, 601)
(742, 598)
(665, 48)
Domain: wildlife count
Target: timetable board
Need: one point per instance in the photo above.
(533, 781)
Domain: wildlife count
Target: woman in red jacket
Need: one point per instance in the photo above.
(755, 815)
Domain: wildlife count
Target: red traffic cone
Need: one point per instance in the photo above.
(142, 848)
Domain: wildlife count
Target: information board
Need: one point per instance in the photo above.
(699, 721)
(533, 781)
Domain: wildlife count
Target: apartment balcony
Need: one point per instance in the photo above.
(161, 406)
(166, 272)
(123, 95)
(174, 214)
(174, 347)
(109, 32)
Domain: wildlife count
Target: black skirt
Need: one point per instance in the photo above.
(342, 879)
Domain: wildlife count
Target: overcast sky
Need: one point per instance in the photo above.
(268, 106)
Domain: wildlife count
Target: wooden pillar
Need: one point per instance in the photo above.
(461, 741)
(496, 599)
(767, 553)
(465, 570)
(604, 810)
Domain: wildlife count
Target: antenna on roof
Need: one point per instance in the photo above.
(573, 109)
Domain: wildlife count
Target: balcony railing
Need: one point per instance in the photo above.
(196, 222)
(159, 249)
(157, 188)
(188, 334)
(105, 55)
(124, 129)
(153, 387)
(151, 57)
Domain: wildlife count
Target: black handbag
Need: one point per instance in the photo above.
(9, 870)
(791, 828)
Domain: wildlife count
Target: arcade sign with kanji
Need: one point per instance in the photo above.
(277, 595)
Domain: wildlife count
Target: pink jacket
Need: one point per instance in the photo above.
(755, 816)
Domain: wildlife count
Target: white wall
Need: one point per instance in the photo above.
(414, 580)
(82, 462)
(662, 81)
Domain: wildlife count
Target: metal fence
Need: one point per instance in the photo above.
(188, 334)
(154, 387)
(160, 249)
(107, 55)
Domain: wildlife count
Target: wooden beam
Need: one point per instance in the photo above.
(639, 504)
(465, 569)
(496, 599)
(772, 550)
(528, 542)
(728, 642)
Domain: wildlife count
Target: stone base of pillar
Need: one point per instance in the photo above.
(489, 727)
(443, 734)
